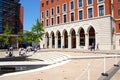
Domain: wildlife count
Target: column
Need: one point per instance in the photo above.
(62, 41)
(86, 41)
(69, 41)
(56, 41)
(77, 41)
(50, 42)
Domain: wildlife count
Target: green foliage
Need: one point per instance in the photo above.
(7, 34)
(20, 36)
(36, 34)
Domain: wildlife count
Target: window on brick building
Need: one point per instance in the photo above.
(47, 13)
(90, 15)
(101, 10)
(42, 15)
(58, 9)
(52, 1)
(64, 8)
(42, 4)
(47, 2)
(72, 16)
(118, 0)
(46, 22)
(100, 0)
(64, 18)
(71, 5)
(52, 12)
(119, 12)
(52, 21)
(43, 23)
(58, 19)
(119, 26)
(80, 15)
(80, 3)
(89, 2)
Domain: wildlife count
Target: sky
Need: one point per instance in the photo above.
(31, 12)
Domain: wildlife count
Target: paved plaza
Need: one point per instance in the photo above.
(67, 66)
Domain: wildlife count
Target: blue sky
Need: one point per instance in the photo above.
(31, 12)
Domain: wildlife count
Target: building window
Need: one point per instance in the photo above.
(119, 12)
(119, 42)
(47, 13)
(64, 8)
(52, 21)
(52, 1)
(46, 22)
(42, 15)
(89, 2)
(0, 29)
(101, 10)
(52, 12)
(119, 26)
(58, 9)
(80, 3)
(80, 15)
(71, 5)
(42, 4)
(118, 0)
(100, 0)
(90, 15)
(72, 16)
(58, 19)
(43, 23)
(46, 2)
(64, 18)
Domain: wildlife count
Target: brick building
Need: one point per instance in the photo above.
(81, 23)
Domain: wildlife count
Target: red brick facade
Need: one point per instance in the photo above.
(109, 6)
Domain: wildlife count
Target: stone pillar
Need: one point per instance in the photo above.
(77, 41)
(62, 41)
(69, 41)
(50, 42)
(86, 41)
(56, 42)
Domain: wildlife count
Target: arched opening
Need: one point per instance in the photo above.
(47, 40)
(53, 40)
(92, 37)
(59, 39)
(73, 38)
(65, 39)
(82, 37)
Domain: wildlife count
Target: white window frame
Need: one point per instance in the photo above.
(43, 15)
(92, 12)
(51, 21)
(56, 20)
(78, 14)
(89, 4)
(70, 5)
(98, 9)
(46, 13)
(56, 9)
(100, 2)
(63, 8)
(51, 11)
(70, 16)
(78, 4)
(63, 18)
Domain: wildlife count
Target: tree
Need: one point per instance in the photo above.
(7, 35)
(38, 31)
(20, 37)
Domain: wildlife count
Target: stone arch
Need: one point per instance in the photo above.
(73, 38)
(58, 34)
(53, 39)
(47, 39)
(65, 37)
(81, 34)
(92, 38)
